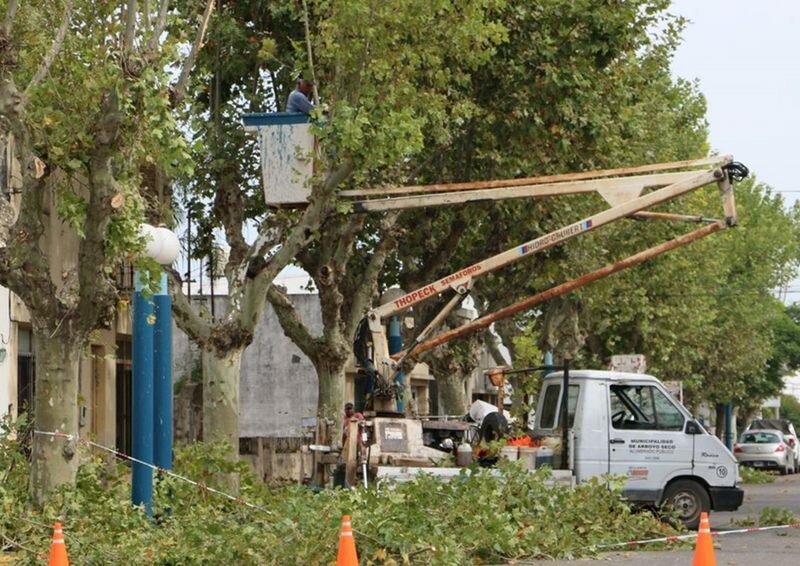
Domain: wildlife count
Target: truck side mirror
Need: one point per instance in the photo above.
(693, 427)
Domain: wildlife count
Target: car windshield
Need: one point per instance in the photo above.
(760, 438)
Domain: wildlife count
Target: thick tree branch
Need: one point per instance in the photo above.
(345, 238)
(310, 53)
(161, 24)
(11, 11)
(294, 328)
(55, 48)
(303, 232)
(186, 317)
(97, 293)
(362, 296)
(130, 28)
(438, 258)
(229, 209)
(146, 14)
(24, 269)
(180, 86)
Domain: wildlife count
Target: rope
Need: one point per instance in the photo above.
(678, 538)
(200, 485)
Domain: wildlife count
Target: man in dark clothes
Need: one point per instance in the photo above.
(300, 98)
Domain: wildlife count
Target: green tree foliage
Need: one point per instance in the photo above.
(786, 342)
(578, 89)
(790, 408)
(704, 314)
(513, 515)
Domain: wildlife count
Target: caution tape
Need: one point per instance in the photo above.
(679, 538)
(122, 456)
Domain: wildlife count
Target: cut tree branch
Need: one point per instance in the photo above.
(180, 86)
(55, 48)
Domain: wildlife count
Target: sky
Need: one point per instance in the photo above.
(746, 56)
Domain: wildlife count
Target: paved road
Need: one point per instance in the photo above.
(775, 548)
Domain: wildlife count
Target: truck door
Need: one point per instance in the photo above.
(646, 441)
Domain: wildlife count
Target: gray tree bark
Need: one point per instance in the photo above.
(331, 388)
(452, 393)
(221, 397)
(55, 459)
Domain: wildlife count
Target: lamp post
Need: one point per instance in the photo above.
(151, 425)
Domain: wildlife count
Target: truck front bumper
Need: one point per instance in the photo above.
(726, 498)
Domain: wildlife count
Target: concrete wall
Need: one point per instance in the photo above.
(278, 387)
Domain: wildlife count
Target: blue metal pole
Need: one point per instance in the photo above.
(142, 402)
(395, 346)
(729, 425)
(162, 377)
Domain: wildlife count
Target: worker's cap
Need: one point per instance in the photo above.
(348, 405)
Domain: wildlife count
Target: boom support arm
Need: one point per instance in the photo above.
(462, 280)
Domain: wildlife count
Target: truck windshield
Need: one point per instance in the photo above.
(552, 404)
(643, 407)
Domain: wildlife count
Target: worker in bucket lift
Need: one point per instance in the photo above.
(350, 414)
(300, 98)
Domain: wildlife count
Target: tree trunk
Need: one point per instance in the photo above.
(719, 425)
(331, 389)
(221, 397)
(452, 394)
(54, 459)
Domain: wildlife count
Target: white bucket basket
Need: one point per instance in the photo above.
(287, 150)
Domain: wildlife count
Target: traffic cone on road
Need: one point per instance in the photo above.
(347, 545)
(58, 549)
(704, 549)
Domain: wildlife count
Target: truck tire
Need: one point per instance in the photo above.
(687, 498)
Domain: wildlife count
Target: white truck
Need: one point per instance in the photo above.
(682, 465)
(628, 425)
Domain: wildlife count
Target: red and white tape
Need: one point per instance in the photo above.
(678, 538)
(200, 485)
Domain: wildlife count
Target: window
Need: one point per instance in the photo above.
(124, 393)
(643, 407)
(760, 438)
(552, 402)
(26, 370)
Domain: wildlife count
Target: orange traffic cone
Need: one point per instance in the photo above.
(58, 549)
(347, 555)
(704, 550)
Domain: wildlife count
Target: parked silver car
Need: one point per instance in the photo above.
(786, 427)
(765, 449)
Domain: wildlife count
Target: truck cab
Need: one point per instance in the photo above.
(628, 425)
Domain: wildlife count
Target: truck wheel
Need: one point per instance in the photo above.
(688, 499)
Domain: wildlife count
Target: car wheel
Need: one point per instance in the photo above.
(687, 499)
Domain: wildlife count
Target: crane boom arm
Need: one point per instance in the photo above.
(626, 202)
(464, 276)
